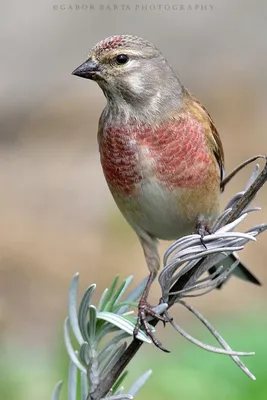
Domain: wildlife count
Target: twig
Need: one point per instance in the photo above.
(229, 177)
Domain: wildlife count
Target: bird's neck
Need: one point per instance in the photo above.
(153, 105)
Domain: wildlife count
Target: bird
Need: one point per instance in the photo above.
(160, 151)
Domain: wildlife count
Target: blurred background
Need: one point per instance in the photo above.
(57, 216)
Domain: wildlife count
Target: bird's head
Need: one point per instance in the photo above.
(129, 70)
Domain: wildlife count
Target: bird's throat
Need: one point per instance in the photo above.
(154, 106)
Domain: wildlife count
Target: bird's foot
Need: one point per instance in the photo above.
(145, 310)
(203, 230)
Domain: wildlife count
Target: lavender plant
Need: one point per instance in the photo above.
(96, 355)
(101, 354)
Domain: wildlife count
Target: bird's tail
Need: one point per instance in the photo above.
(240, 270)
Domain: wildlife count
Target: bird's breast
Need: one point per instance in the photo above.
(120, 159)
(174, 154)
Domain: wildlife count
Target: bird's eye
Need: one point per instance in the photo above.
(122, 59)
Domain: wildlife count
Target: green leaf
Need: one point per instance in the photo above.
(134, 295)
(113, 359)
(108, 347)
(84, 353)
(119, 381)
(84, 386)
(110, 292)
(127, 283)
(123, 323)
(117, 296)
(83, 310)
(56, 391)
(101, 303)
(72, 382)
(125, 303)
(106, 329)
(70, 350)
(73, 291)
(139, 383)
(92, 323)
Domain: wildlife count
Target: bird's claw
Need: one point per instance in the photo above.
(202, 242)
(144, 309)
(203, 230)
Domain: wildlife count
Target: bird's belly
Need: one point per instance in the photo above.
(159, 211)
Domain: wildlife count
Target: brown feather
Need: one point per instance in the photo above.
(213, 136)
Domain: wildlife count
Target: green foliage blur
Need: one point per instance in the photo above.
(188, 372)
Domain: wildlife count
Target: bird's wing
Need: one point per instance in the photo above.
(212, 135)
(216, 143)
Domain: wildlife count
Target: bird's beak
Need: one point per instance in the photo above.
(87, 70)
